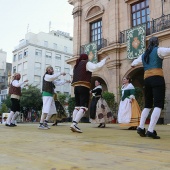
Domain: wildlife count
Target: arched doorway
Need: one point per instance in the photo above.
(137, 77)
(103, 83)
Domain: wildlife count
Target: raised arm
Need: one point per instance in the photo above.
(163, 52)
(53, 77)
(137, 61)
(95, 67)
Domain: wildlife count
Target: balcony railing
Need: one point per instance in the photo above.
(100, 44)
(156, 25)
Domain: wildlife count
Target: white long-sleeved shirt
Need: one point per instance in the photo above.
(53, 77)
(162, 52)
(95, 67)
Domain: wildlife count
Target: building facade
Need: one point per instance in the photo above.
(107, 22)
(37, 51)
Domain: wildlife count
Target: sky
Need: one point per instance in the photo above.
(17, 17)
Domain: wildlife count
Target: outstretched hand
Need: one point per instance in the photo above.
(68, 81)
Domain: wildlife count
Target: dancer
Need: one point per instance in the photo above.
(81, 82)
(129, 111)
(99, 110)
(49, 82)
(15, 92)
(154, 83)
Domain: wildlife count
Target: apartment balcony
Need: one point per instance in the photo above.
(100, 44)
(156, 25)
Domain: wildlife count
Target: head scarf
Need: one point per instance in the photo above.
(153, 42)
(82, 57)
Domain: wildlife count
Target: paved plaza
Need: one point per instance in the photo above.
(26, 147)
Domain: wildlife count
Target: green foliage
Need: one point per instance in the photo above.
(7, 101)
(110, 99)
(71, 104)
(31, 98)
(139, 97)
(3, 109)
(62, 98)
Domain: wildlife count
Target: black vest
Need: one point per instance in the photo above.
(48, 86)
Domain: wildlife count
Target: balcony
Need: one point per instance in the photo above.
(156, 25)
(100, 44)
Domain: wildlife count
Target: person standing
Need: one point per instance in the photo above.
(129, 111)
(82, 73)
(15, 92)
(154, 82)
(49, 83)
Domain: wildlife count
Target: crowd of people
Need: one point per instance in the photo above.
(129, 113)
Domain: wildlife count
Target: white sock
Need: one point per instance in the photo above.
(154, 118)
(144, 116)
(79, 115)
(43, 116)
(74, 114)
(8, 121)
(14, 117)
(48, 117)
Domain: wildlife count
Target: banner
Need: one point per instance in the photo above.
(136, 41)
(91, 50)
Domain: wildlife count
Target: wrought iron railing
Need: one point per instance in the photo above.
(156, 25)
(100, 44)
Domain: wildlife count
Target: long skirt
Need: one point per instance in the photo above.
(93, 107)
(103, 112)
(61, 114)
(129, 113)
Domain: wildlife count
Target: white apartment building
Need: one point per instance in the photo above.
(37, 51)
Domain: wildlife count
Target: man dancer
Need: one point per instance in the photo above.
(15, 92)
(49, 108)
(81, 82)
(154, 83)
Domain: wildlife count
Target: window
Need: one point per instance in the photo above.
(65, 49)
(37, 78)
(48, 55)
(57, 69)
(15, 58)
(140, 13)
(46, 43)
(26, 53)
(24, 77)
(19, 67)
(14, 69)
(58, 57)
(66, 70)
(19, 55)
(66, 58)
(25, 65)
(96, 32)
(38, 52)
(37, 66)
(55, 46)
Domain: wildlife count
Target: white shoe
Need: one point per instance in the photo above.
(42, 127)
(74, 128)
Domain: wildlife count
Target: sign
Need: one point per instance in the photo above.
(136, 41)
(91, 50)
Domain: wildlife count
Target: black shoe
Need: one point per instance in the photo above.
(152, 135)
(13, 124)
(6, 125)
(132, 128)
(103, 125)
(141, 132)
(100, 125)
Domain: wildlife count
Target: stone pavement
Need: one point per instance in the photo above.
(26, 147)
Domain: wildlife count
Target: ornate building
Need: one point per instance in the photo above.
(107, 23)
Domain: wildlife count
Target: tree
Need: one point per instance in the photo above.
(3, 109)
(62, 98)
(7, 101)
(71, 104)
(110, 99)
(31, 98)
